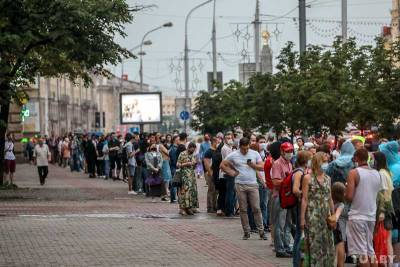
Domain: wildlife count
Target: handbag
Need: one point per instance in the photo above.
(177, 179)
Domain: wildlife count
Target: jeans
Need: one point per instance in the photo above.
(43, 171)
(173, 190)
(297, 237)
(221, 187)
(264, 196)
(107, 168)
(248, 196)
(230, 196)
(139, 178)
(281, 222)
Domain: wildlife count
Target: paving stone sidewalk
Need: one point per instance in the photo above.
(77, 221)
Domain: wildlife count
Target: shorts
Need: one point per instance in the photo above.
(360, 237)
(115, 161)
(10, 166)
(131, 170)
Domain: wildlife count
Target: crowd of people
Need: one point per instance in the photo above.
(323, 203)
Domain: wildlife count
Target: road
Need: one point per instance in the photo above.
(77, 221)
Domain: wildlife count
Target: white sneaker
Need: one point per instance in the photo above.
(132, 193)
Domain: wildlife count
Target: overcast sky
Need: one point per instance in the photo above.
(366, 17)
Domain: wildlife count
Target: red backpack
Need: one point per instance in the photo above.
(267, 170)
(287, 198)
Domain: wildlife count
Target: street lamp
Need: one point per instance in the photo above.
(186, 57)
(165, 25)
(147, 42)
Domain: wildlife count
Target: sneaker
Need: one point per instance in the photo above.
(246, 236)
(263, 236)
(132, 193)
(220, 213)
(283, 255)
(165, 199)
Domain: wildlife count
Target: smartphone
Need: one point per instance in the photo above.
(248, 161)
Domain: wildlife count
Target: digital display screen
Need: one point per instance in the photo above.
(137, 108)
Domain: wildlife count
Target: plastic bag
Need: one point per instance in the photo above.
(380, 243)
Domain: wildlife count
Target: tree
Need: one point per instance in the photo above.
(56, 37)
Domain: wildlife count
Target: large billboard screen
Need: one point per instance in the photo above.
(138, 108)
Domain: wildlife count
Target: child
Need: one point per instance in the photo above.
(338, 191)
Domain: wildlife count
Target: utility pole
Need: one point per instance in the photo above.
(344, 20)
(214, 48)
(257, 24)
(302, 25)
(186, 60)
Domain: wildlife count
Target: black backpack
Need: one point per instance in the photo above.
(124, 156)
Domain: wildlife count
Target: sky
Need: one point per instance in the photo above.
(163, 65)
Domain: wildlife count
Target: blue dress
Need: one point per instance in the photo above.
(166, 171)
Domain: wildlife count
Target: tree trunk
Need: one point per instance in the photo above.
(5, 109)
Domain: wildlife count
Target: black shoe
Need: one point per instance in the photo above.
(283, 255)
(246, 236)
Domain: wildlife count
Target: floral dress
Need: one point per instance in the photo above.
(321, 250)
(188, 198)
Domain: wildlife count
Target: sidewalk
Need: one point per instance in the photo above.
(77, 221)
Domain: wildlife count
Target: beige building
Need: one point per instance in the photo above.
(59, 106)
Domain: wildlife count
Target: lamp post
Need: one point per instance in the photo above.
(214, 48)
(186, 57)
(165, 25)
(147, 42)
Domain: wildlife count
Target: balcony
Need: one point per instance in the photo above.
(64, 99)
(86, 104)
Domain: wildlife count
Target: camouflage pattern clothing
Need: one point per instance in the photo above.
(188, 198)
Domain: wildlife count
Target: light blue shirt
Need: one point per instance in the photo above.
(247, 175)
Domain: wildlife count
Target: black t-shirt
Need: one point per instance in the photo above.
(111, 144)
(216, 159)
(180, 149)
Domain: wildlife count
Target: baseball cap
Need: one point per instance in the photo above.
(287, 147)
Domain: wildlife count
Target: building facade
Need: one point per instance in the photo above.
(59, 106)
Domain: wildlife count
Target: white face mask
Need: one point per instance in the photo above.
(309, 163)
(288, 156)
(230, 142)
(263, 146)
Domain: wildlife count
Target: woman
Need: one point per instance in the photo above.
(302, 165)
(390, 149)
(316, 207)
(154, 162)
(106, 152)
(165, 170)
(188, 200)
(168, 141)
(384, 199)
(9, 158)
(66, 152)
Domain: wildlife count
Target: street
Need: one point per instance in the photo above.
(76, 221)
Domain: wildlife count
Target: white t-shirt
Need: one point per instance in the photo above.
(247, 175)
(225, 151)
(41, 153)
(8, 149)
(129, 150)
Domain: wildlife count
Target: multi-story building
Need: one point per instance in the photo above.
(58, 105)
(395, 23)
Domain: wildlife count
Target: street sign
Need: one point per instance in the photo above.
(184, 115)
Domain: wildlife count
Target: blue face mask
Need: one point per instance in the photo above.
(324, 166)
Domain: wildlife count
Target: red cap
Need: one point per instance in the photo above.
(287, 147)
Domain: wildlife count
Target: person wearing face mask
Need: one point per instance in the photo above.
(316, 206)
(154, 161)
(226, 150)
(188, 195)
(281, 219)
(262, 143)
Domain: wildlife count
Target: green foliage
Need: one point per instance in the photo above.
(321, 89)
(58, 37)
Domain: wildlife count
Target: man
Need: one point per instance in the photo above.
(363, 185)
(209, 167)
(205, 146)
(173, 159)
(226, 150)
(42, 155)
(91, 156)
(114, 147)
(130, 151)
(263, 190)
(243, 164)
(9, 158)
(280, 217)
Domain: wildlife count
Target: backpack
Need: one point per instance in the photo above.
(124, 155)
(267, 170)
(336, 173)
(287, 199)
